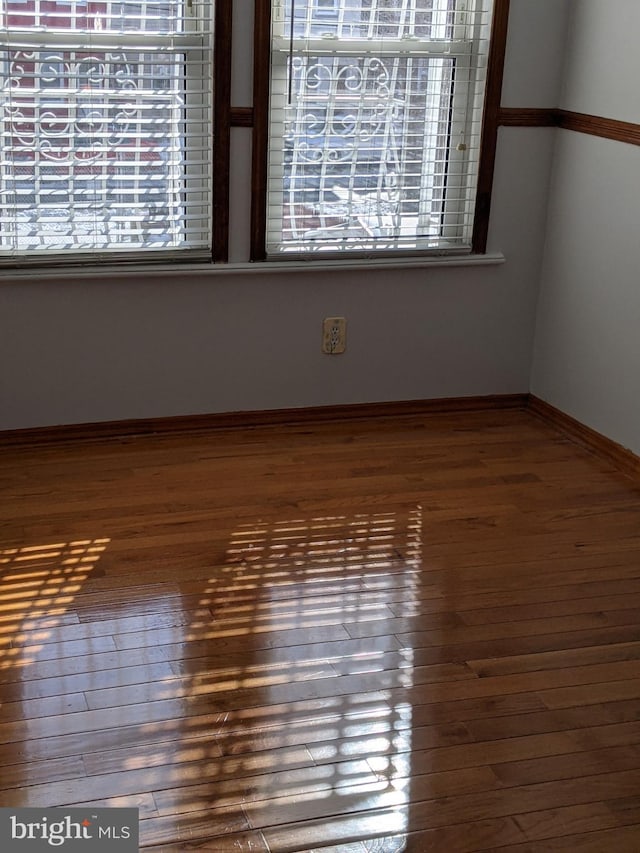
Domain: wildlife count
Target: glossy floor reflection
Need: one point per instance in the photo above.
(389, 637)
(274, 713)
(296, 742)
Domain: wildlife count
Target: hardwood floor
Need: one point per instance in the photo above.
(419, 634)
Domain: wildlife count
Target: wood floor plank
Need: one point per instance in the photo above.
(600, 723)
(568, 765)
(233, 689)
(83, 631)
(547, 609)
(375, 826)
(570, 820)
(233, 842)
(36, 797)
(519, 575)
(510, 647)
(242, 635)
(150, 713)
(622, 840)
(22, 670)
(451, 684)
(20, 710)
(375, 718)
(432, 597)
(558, 659)
(56, 744)
(194, 752)
(202, 656)
(131, 781)
(430, 811)
(358, 799)
(194, 826)
(462, 838)
(311, 782)
(31, 689)
(44, 771)
(432, 635)
(28, 620)
(567, 697)
(440, 749)
(36, 651)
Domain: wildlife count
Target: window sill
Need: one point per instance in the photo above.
(200, 270)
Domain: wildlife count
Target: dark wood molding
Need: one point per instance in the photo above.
(615, 453)
(527, 117)
(493, 93)
(604, 447)
(241, 116)
(248, 419)
(261, 72)
(606, 128)
(222, 129)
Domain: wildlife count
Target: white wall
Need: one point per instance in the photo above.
(534, 61)
(106, 349)
(601, 73)
(587, 348)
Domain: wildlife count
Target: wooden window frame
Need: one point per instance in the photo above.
(223, 18)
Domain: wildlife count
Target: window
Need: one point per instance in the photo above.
(366, 128)
(374, 125)
(105, 119)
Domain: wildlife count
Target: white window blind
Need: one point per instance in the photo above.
(375, 124)
(105, 121)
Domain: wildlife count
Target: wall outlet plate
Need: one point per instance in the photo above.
(334, 335)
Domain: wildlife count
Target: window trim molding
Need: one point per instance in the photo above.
(527, 117)
(606, 128)
(204, 270)
(261, 73)
(490, 124)
(223, 21)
